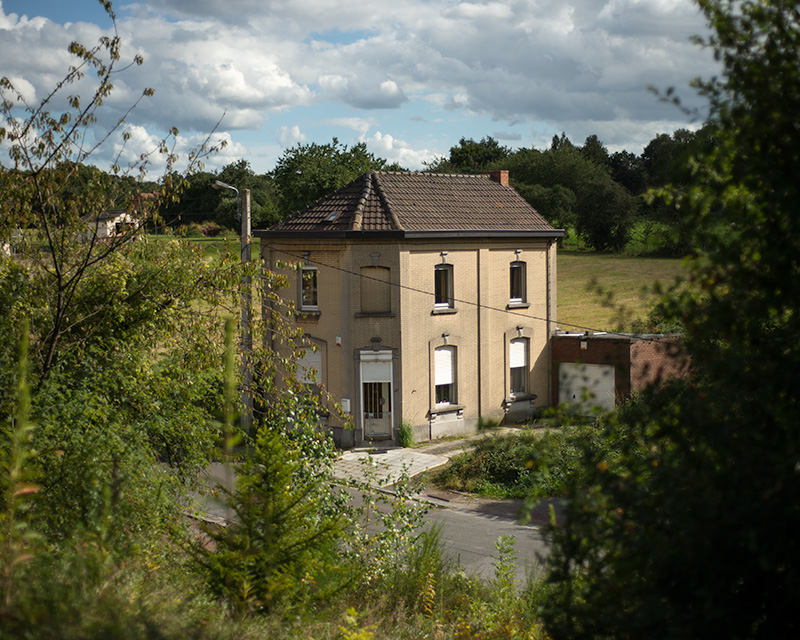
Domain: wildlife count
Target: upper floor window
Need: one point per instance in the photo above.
(445, 375)
(518, 365)
(518, 286)
(443, 286)
(308, 289)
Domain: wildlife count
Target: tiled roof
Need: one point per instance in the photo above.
(403, 201)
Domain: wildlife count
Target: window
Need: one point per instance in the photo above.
(518, 365)
(443, 286)
(376, 290)
(445, 375)
(308, 288)
(517, 272)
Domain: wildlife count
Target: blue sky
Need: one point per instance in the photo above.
(409, 77)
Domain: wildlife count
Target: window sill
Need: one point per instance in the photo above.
(310, 314)
(518, 305)
(376, 314)
(443, 311)
(520, 397)
(447, 408)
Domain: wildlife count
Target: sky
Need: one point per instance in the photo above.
(409, 78)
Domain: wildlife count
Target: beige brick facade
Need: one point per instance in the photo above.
(360, 338)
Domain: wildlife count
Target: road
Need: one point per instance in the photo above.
(470, 527)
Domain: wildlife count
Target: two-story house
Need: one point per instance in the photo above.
(431, 299)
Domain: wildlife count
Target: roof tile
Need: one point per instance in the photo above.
(394, 200)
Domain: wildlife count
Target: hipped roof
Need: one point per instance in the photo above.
(394, 202)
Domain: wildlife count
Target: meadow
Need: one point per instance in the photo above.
(608, 292)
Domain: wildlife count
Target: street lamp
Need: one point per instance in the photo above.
(219, 184)
(243, 211)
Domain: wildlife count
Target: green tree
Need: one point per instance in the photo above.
(122, 370)
(627, 170)
(307, 172)
(593, 149)
(264, 204)
(574, 192)
(469, 156)
(691, 530)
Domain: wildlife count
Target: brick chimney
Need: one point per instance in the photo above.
(500, 176)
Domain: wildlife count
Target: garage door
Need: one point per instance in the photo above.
(587, 385)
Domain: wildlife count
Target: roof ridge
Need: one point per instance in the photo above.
(387, 204)
(358, 213)
(429, 173)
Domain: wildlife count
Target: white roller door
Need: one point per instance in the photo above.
(588, 385)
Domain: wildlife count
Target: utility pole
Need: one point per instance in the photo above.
(247, 302)
(243, 210)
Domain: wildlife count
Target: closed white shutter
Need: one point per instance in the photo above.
(518, 353)
(312, 360)
(444, 364)
(376, 366)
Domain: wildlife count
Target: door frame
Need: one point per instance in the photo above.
(384, 357)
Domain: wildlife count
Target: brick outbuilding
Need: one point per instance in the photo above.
(604, 369)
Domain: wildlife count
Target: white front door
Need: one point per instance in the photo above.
(376, 393)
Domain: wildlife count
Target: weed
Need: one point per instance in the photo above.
(405, 434)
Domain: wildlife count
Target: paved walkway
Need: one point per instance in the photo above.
(382, 466)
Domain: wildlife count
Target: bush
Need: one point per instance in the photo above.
(531, 463)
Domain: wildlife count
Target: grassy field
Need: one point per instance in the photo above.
(607, 292)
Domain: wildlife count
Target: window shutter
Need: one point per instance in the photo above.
(312, 360)
(444, 364)
(518, 353)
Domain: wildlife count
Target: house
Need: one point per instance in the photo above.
(604, 369)
(110, 223)
(430, 299)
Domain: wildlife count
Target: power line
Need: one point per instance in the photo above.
(466, 302)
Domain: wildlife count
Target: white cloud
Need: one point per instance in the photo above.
(362, 92)
(574, 65)
(388, 148)
(360, 125)
(290, 136)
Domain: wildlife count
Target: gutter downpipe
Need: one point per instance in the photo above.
(480, 341)
(549, 345)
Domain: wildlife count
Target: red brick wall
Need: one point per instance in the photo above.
(637, 363)
(611, 351)
(653, 361)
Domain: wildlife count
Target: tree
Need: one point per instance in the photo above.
(264, 204)
(572, 191)
(593, 149)
(307, 172)
(626, 169)
(469, 156)
(123, 368)
(690, 530)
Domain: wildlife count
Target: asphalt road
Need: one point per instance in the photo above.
(470, 527)
(469, 538)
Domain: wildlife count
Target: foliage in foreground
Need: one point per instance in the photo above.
(695, 536)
